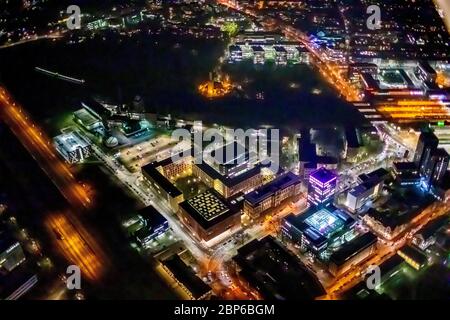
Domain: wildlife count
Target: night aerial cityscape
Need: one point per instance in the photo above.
(225, 150)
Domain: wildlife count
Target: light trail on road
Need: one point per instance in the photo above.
(330, 71)
(35, 141)
(444, 5)
(210, 260)
(74, 246)
(41, 149)
(32, 39)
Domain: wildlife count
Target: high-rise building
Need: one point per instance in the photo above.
(321, 187)
(427, 144)
(431, 161)
(436, 167)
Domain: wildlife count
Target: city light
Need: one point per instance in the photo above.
(139, 177)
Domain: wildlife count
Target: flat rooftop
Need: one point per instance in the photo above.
(302, 49)
(186, 276)
(363, 65)
(95, 107)
(323, 175)
(307, 151)
(392, 218)
(326, 222)
(390, 264)
(275, 272)
(208, 208)
(413, 254)
(85, 117)
(6, 241)
(319, 225)
(327, 160)
(234, 48)
(228, 181)
(352, 137)
(394, 78)
(151, 171)
(369, 81)
(353, 248)
(401, 208)
(70, 141)
(258, 34)
(280, 49)
(257, 48)
(208, 205)
(359, 189)
(267, 190)
(363, 187)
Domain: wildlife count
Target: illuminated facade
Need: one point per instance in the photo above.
(192, 286)
(271, 194)
(413, 257)
(369, 187)
(216, 87)
(208, 215)
(322, 187)
(72, 147)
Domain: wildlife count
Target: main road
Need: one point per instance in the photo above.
(41, 149)
(385, 251)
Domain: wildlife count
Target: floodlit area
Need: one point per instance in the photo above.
(325, 222)
(155, 149)
(416, 110)
(147, 186)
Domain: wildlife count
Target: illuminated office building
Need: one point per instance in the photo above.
(322, 187)
(427, 144)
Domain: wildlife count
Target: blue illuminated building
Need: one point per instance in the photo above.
(154, 225)
(318, 229)
(321, 187)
